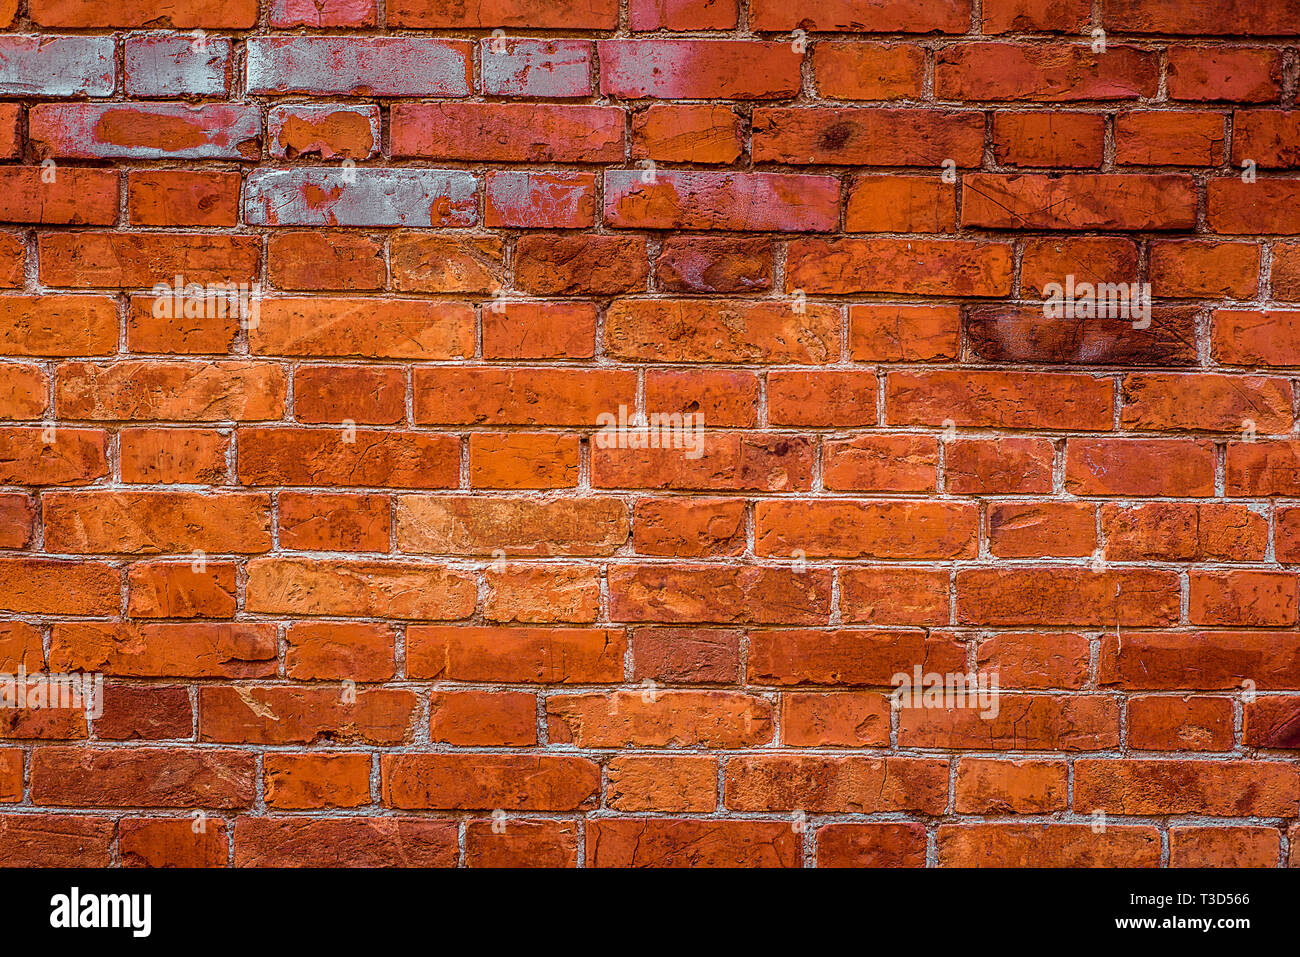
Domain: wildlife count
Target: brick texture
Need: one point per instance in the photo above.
(321, 322)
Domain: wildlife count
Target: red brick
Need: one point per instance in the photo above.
(1207, 660)
(649, 15)
(1254, 788)
(846, 657)
(978, 399)
(1216, 17)
(813, 399)
(57, 840)
(682, 842)
(521, 843)
(687, 133)
(511, 782)
(508, 132)
(846, 719)
(863, 528)
(915, 267)
(894, 596)
(714, 264)
(1266, 206)
(867, 136)
(535, 14)
(1066, 596)
(1047, 845)
(180, 198)
(1046, 16)
(551, 593)
(879, 333)
(157, 456)
(75, 197)
(1160, 723)
(325, 651)
(1021, 723)
(423, 263)
(325, 260)
(173, 842)
(691, 719)
(1052, 72)
(164, 650)
(551, 264)
(1179, 531)
(686, 655)
(142, 777)
(365, 328)
(722, 398)
(328, 13)
(181, 590)
(720, 330)
(900, 204)
(1168, 138)
(1049, 139)
(871, 845)
(717, 594)
(1079, 201)
(371, 396)
(517, 655)
(145, 713)
(296, 714)
(316, 780)
(998, 466)
(539, 330)
(663, 783)
(345, 842)
(835, 784)
(510, 525)
(993, 786)
(483, 718)
(1139, 467)
(288, 456)
(699, 69)
(1224, 846)
(1243, 74)
(147, 522)
(1042, 529)
(925, 16)
(303, 586)
(881, 463)
(868, 71)
(22, 392)
(779, 202)
(133, 260)
(235, 15)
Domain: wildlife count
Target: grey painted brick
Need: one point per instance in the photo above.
(359, 196)
(56, 66)
(167, 64)
(360, 66)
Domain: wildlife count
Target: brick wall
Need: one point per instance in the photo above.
(356, 516)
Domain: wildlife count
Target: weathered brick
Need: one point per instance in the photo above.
(359, 66)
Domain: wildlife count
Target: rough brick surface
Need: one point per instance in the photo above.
(316, 315)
